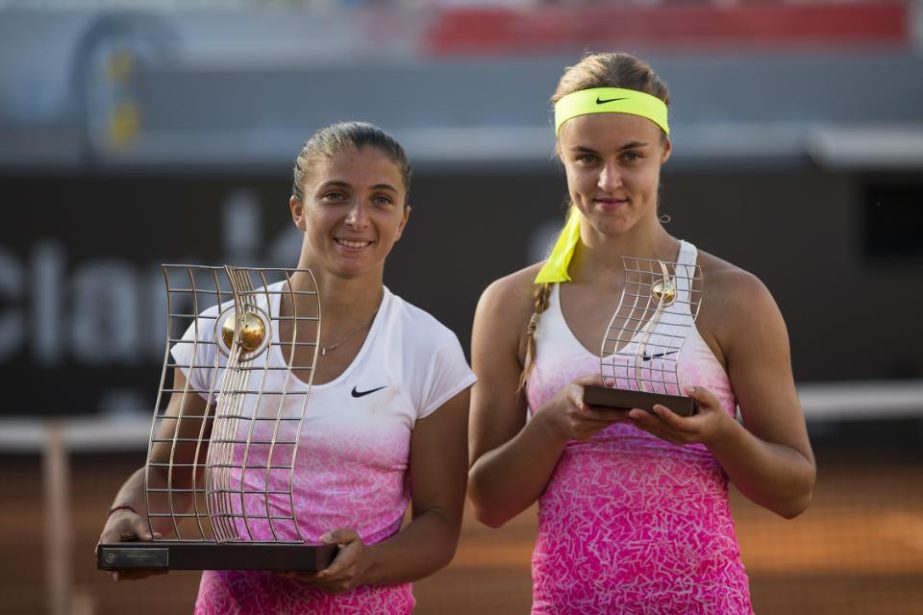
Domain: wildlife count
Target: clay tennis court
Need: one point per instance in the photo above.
(858, 549)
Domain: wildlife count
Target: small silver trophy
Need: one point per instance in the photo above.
(639, 357)
(225, 479)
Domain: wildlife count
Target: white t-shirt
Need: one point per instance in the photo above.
(352, 459)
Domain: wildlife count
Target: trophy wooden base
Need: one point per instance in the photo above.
(626, 400)
(174, 555)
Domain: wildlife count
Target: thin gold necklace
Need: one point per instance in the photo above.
(325, 349)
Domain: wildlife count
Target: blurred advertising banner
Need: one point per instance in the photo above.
(82, 325)
(82, 306)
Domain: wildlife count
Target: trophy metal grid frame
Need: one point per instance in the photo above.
(659, 304)
(220, 522)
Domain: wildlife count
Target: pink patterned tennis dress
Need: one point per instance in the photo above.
(630, 523)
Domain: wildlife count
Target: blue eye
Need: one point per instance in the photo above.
(632, 156)
(588, 158)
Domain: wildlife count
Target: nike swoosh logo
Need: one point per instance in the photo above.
(600, 101)
(658, 355)
(356, 393)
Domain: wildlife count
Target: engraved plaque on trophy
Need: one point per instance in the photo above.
(223, 480)
(639, 357)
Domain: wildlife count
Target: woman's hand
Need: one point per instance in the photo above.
(128, 526)
(346, 569)
(572, 419)
(705, 426)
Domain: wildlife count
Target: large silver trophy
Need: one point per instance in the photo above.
(224, 478)
(640, 351)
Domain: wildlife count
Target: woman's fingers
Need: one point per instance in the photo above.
(342, 573)
(667, 425)
(340, 536)
(703, 396)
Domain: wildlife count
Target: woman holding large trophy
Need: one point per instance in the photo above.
(633, 503)
(384, 425)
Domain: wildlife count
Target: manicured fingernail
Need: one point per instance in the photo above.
(327, 537)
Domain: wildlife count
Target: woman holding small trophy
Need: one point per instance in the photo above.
(633, 513)
(386, 422)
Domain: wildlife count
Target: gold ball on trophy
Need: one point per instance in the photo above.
(664, 291)
(252, 332)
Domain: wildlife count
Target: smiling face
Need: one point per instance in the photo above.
(612, 162)
(352, 212)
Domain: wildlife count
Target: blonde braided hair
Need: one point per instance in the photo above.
(540, 296)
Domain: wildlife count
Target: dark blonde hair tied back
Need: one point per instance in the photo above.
(540, 296)
(594, 70)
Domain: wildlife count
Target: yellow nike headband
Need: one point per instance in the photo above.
(584, 102)
(610, 100)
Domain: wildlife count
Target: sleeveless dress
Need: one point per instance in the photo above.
(629, 523)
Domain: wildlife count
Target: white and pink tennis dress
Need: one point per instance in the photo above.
(630, 523)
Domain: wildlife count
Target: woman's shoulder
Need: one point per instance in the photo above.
(729, 282)
(734, 299)
(513, 291)
(502, 315)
